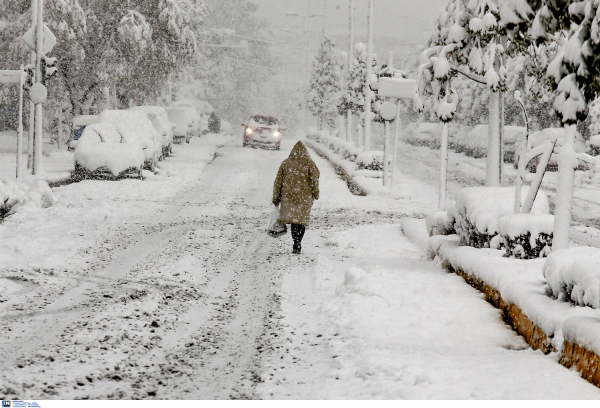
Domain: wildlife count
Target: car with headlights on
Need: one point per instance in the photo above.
(262, 131)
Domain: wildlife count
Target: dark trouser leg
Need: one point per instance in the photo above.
(297, 234)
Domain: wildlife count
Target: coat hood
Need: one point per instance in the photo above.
(299, 152)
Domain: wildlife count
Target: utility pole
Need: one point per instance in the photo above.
(31, 133)
(367, 144)
(323, 34)
(37, 157)
(349, 132)
(306, 70)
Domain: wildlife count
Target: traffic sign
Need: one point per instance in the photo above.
(38, 93)
(49, 40)
(10, 76)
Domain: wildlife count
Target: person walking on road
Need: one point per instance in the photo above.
(296, 187)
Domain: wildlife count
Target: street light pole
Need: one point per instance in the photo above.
(37, 157)
(367, 144)
(349, 132)
(324, 20)
(31, 133)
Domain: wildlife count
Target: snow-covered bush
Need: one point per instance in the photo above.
(526, 236)
(573, 275)
(478, 210)
(19, 195)
(440, 223)
(372, 160)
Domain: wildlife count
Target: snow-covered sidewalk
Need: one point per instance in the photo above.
(397, 325)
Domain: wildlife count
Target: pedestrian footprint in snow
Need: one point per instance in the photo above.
(296, 187)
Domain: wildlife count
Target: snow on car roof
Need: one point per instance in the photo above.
(84, 120)
(152, 110)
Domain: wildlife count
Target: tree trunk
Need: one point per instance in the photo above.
(567, 163)
(349, 132)
(386, 154)
(492, 176)
(443, 168)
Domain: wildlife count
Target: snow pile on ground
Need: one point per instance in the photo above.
(7, 287)
(574, 275)
(24, 194)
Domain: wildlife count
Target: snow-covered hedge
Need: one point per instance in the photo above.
(372, 160)
(337, 145)
(526, 236)
(20, 195)
(478, 210)
(440, 223)
(573, 275)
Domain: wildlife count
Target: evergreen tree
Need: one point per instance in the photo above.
(353, 98)
(325, 87)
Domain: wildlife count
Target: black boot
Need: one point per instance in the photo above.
(297, 248)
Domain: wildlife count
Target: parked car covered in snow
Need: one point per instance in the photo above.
(160, 120)
(183, 122)
(103, 151)
(262, 131)
(79, 124)
(202, 110)
(135, 127)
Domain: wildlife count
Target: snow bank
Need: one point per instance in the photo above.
(574, 275)
(521, 283)
(584, 331)
(226, 128)
(23, 195)
(7, 287)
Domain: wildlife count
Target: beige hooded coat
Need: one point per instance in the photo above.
(296, 186)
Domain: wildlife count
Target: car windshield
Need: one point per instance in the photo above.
(264, 120)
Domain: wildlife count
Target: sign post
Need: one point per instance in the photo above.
(41, 40)
(16, 76)
(20, 126)
(394, 88)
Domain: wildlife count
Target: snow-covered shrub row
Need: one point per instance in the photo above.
(526, 236)
(19, 195)
(474, 143)
(347, 150)
(372, 160)
(478, 210)
(573, 275)
(440, 223)
(423, 134)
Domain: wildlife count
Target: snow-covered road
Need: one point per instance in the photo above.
(169, 288)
